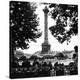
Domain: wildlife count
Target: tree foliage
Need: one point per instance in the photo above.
(66, 17)
(23, 24)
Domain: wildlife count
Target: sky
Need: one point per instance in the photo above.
(55, 45)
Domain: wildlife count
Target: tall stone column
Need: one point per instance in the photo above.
(45, 45)
(46, 24)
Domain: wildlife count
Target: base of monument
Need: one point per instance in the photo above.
(45, 48)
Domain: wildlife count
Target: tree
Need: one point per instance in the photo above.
(66, 17)
(23, 24)
(76, 48)
(23, 27)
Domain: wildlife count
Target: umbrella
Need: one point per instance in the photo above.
(23, 58)
(48, 57)
(34, 57)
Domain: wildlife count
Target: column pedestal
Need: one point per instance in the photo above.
(45, 48)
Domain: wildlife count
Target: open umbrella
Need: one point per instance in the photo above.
(48, 57)
(35, 57)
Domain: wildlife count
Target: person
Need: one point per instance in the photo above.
(45, 69)
(36, 65)
(26, 64)
(60, 70)
(55, 66)
(50, 66)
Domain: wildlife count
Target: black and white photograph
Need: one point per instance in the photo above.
(43, 39)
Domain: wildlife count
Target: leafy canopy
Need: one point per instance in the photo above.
(23, 24)
(66, 17)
